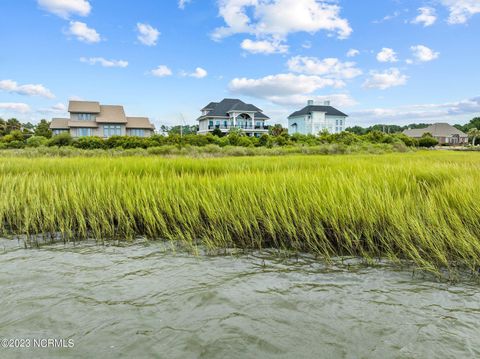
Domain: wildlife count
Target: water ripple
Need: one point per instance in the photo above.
(152, 300)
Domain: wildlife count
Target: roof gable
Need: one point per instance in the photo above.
(111, 114)
(83, 107)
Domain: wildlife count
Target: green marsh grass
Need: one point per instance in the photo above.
(421, 207)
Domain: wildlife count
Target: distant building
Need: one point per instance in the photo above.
(89, 118)
(443, 132)
(313, 119)
(232, 113)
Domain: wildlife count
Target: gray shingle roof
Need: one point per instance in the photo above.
(84, 107)
(210, 106)
(329, 111)
(437, 130)
(222, 108)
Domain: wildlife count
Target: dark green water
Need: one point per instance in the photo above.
(144, 301)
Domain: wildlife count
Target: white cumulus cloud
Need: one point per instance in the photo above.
(199, 73)
(329, 67)
(83, 33)
(161, 71)
(424, 54)
(104, 62)
(27, 89)
(385, 79)
(353, 53)
(57, 109)
(282, 88)
(427, 16)
(461, 10)
(15, 107)
(387, 55)
(264, 47)
(147, 34)
(274, 20)
(66, 8)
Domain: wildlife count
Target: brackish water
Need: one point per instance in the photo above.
(142, 301)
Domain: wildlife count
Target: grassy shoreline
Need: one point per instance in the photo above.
(421, 207)
(209, 151)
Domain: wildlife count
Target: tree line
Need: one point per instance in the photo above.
(14, 134)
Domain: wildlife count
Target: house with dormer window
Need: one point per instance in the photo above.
(90, 118)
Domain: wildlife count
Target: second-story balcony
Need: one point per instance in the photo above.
(242, 127)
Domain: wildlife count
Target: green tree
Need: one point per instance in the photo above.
(13, 125)
(185, 130)
(277, 130)
(356, 130)
(43, 129)
(3, 127)
(474, 133)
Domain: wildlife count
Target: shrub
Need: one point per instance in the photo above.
(16, 144)
(90, 143)
(61, 140)
(37, 141)
(218, 132)
(244, 141)
(346, 138)
(409, 141)
(17, 136)
(427, 141)
(114, 142)
(263, 140)
(375, 137)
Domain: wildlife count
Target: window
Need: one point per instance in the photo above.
(139, 132)
(84, 132)
(112, 130)
(85, 117)
(340, 122)
(57, 132)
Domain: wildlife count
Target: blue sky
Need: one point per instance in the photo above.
(391, 61)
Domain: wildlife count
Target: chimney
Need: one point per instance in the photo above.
(310, 103)
(326, 103)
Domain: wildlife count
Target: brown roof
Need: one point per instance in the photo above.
(84, 107)
(437, 130)
(82, 123)
(59, 124)
(139, 122)
(111, 114)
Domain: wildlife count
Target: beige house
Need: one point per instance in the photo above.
(443, 132)
(89, 118)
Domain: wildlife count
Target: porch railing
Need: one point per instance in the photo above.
(243, 127)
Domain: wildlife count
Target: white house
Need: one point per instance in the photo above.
(232, 113)
(313, 119)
